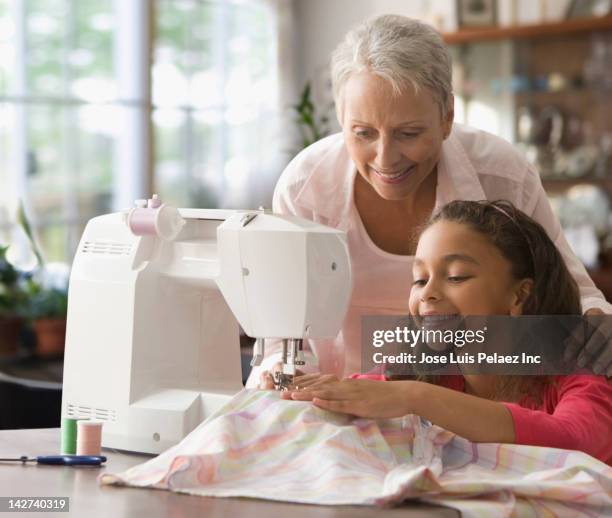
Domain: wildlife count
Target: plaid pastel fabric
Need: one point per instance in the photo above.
(260, 446)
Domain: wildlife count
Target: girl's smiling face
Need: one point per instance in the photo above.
(458, 271)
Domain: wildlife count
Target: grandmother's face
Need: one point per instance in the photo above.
(394, 140)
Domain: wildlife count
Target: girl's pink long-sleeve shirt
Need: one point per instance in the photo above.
(575, 414)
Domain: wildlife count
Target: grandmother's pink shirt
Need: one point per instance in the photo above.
(474, 165)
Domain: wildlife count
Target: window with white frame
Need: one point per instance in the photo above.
(102, 101)
(215, 91)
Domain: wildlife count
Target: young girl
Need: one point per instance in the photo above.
(486, 258)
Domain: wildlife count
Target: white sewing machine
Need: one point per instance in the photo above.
(152, 345)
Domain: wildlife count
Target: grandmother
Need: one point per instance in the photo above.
(399, 158)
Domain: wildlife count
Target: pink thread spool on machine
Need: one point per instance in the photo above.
(152, 217)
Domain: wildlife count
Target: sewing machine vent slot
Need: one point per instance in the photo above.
(85, 412)
(106, 248)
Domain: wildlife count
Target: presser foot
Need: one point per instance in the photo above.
(282, 381)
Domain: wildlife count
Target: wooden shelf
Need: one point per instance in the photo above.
(542, 30)
(572, 99)
(552, 184)
(578, 92)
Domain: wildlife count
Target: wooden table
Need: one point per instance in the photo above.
(89, 499)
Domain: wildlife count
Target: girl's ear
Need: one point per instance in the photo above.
(522, 292)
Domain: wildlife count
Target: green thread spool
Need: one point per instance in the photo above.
(69, 435)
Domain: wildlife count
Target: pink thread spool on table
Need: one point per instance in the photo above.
(89, 438)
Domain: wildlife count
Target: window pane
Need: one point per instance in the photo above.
(7, 35)
(185, 33)
(61, 120)
(217, 62)
(53, 238)
(69, 49)
(90, 57)
(171, 179)
(70, 152)
(6, 179)
(208, 153)
(46, 28)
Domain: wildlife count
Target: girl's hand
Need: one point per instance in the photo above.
(309, 381)
(363, 398)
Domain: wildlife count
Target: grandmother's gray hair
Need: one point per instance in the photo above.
(399, 49)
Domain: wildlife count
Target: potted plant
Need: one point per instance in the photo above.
(47, 311)
(47, 300)
(13, 300)
(311, 126)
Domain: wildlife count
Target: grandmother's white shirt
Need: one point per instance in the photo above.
(474, 165)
